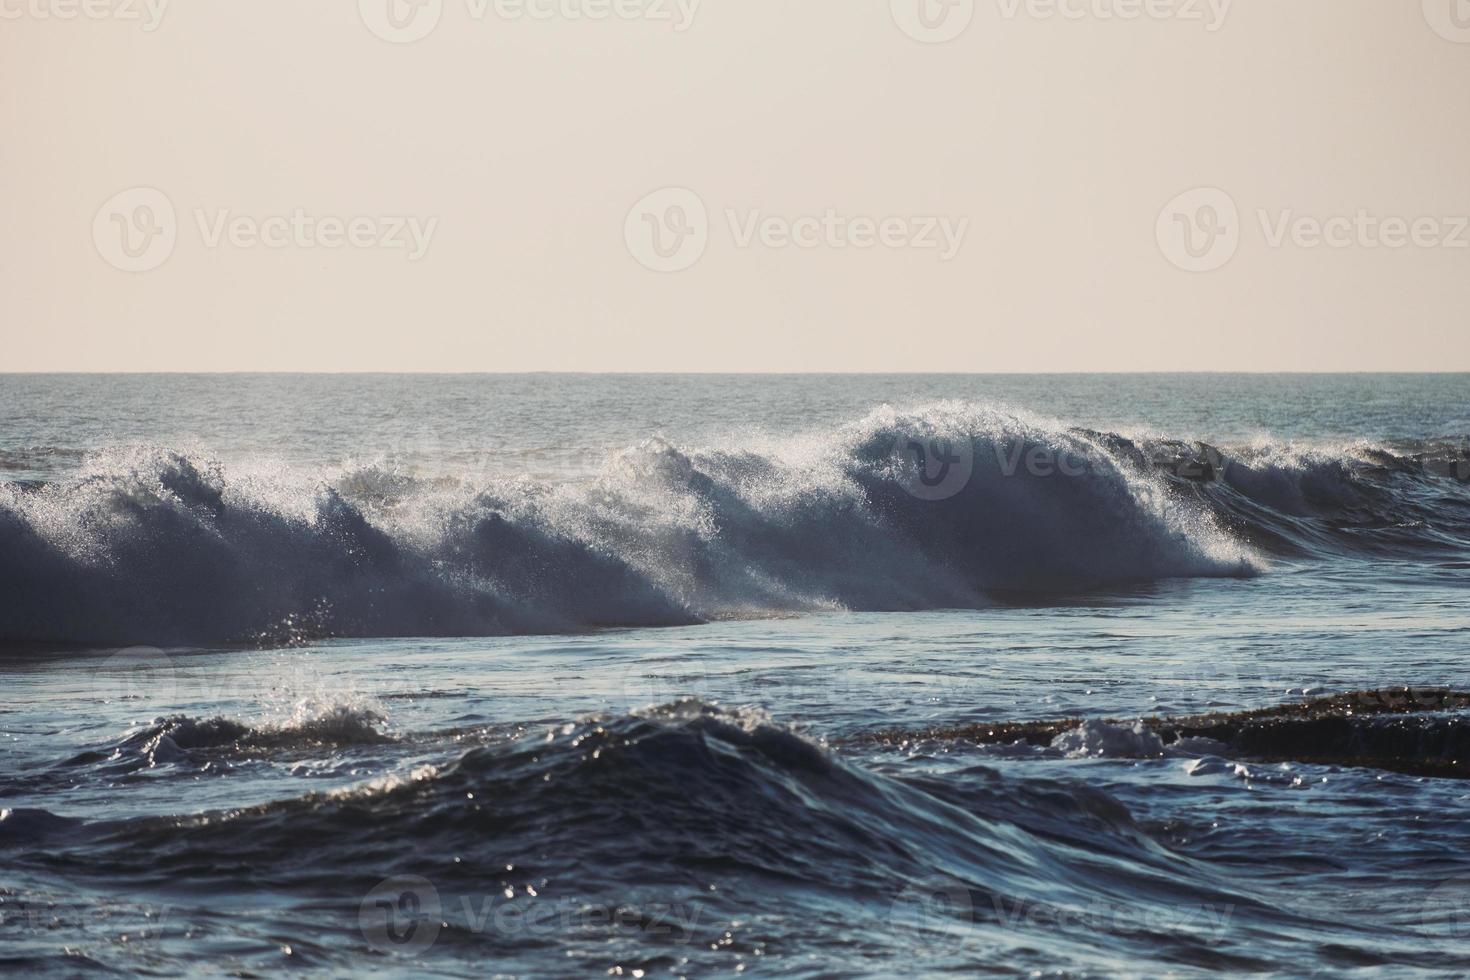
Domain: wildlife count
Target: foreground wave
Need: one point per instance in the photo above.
(936, 508)
(683, 838)
(712, 812)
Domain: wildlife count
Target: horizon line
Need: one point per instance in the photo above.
(757, 374)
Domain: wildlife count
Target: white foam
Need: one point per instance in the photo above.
(1097, 739)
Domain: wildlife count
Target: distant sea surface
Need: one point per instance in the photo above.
(573, 675)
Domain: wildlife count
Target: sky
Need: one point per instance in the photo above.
(735, 185)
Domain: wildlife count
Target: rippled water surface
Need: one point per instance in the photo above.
(575, 676)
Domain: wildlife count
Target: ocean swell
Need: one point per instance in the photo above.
(691, 801)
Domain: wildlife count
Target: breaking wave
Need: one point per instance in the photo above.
(942, 507)
(181, 738)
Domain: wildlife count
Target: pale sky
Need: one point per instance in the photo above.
(997, 201)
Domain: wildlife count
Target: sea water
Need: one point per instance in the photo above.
(547, 675)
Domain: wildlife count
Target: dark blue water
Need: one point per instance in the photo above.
(553, 675)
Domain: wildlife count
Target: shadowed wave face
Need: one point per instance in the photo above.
(943, 507)
(498, 844)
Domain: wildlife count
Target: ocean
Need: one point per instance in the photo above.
(814, 676)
